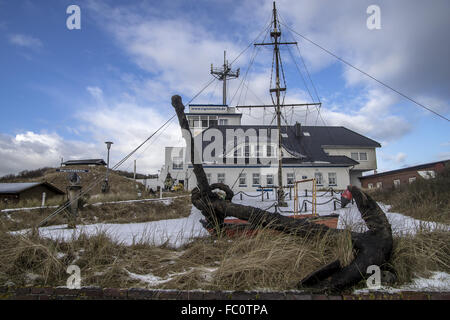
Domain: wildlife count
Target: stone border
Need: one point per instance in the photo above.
(96, 293)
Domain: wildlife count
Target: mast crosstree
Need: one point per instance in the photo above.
(223, 74)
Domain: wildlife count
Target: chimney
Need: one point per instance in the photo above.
(298, 129)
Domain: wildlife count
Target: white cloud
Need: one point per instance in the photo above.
(30, 150)
(23, 40)
(398, 158)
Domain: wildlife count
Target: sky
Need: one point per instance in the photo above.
(64, 92)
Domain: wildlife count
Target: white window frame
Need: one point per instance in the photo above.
(269, 176)
(329, 178)
(319, 182)
(370, 185)
(397, 183)
(177, 163)
(412, 179)
(223, 122)
(244, 177)
(379, 185)
(221, 177)
(258, 182)
(366, 155)
(290, 175)
(352, 155)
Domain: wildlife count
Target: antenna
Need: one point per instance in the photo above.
(223, 74)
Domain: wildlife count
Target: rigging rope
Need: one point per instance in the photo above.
(366, 74)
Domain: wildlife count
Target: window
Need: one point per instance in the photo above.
(370, 185)
(290, 178)
(396, 183)
(359, 156)
(319, 178)
(269, 179)
(379, 184)
(204, 121)
(270, 151)
(177, 163)
(208, 176)
(223, 122)
(212, 122)
(412, 179)
(221, 177)
(247, 150)
(332, 178)
(256, 180)
(304, 177)
(363, 156)
(243, 180)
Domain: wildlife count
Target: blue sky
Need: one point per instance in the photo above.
(64, 92)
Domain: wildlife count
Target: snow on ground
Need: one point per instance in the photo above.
(437, 282)
(177, 232)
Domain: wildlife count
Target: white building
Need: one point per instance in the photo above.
(246, 156)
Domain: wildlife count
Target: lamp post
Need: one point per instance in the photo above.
(106, 185)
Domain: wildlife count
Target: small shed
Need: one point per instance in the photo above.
(28, 191)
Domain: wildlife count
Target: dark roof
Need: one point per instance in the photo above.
(309, 148)
(97, 162)
(15, 188)
(418, 167)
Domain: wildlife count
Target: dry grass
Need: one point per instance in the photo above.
(423, 199)
(107, 213)
(266, 261)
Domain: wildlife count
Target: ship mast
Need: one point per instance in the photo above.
(224, 74)
(276, 35)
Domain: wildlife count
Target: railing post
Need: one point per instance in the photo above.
(240, 195)
(306, 192)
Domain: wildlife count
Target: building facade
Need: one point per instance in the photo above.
(395, 178)
(246, 157)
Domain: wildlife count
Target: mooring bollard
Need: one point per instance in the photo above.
(241, 195)
(334, 205)
(306, 207)
(332, 193)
